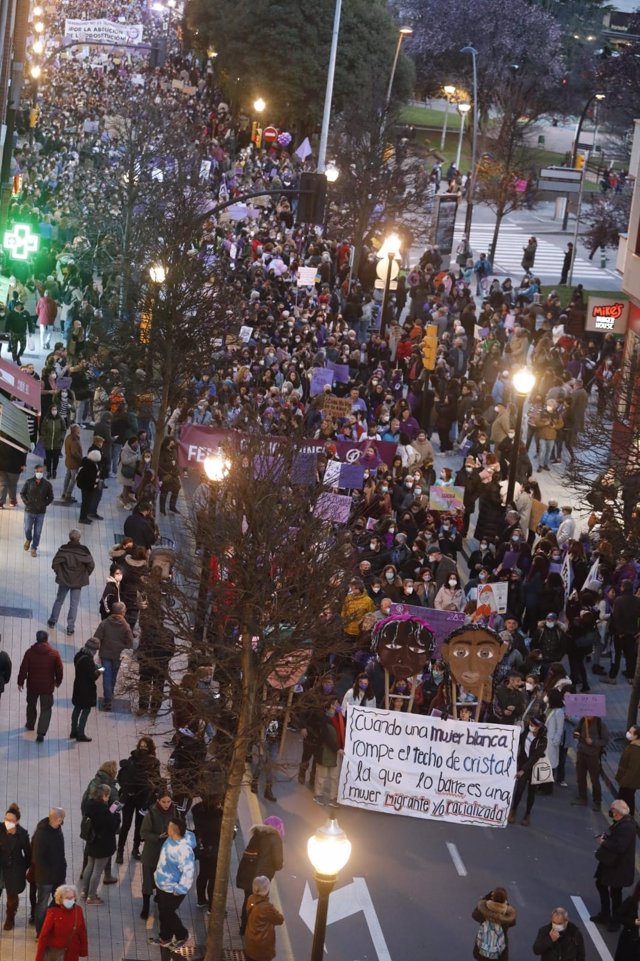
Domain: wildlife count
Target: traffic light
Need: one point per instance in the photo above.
(430, 347)
(313, 195)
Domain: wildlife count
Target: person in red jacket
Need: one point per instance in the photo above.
(64, 927)
(41, 668)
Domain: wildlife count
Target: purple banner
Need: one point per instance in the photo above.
(341, 372)
(320, 378)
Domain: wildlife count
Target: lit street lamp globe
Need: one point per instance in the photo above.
(331, 173)
(35, 71)
(216, 466)
(259, 105)
(329, 849)
(523, 381)
(39, 27)
(157, 273)
(464, 108)
(390, 247)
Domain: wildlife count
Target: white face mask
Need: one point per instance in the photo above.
(629, 736)
(528, 687)
(39, 475)
(390, 576)
(453, 584)
(558, 927)
(68, 903)
(408, 590)
(11, 825)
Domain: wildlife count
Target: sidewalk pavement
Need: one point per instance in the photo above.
(56, 772)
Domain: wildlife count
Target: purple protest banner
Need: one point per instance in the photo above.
(303, 469)
(320, 378)
(351, 475)
(442, 623)
(333, 507)
(341, 372)
(585, 705)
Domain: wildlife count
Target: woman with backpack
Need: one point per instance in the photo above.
(495, 916)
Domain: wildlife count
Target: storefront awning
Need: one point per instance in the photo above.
(14, 425)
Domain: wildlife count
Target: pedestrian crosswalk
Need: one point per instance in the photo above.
(549, 257)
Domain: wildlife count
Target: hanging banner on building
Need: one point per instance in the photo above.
(103, 31)
(426, 767)
(16, 383)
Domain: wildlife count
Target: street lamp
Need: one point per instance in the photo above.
(331, 172)
(259, 105)
(37, 11)
(329, 851)
(38, 47)
(402, 33)
(216, 468)
(39, 26)
(391, 250)
(449, 91)
(474, 144)
(35, 71)
(574, 154)
(157, 273)
(523, 381)
(328, 93)
(463, 110)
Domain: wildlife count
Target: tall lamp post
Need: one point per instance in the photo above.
(449, 91)
(391, 251)
(574, 154)
(474, 144)
(402, 33)
(463, 110)
(328, 94)
(523, 381)
(329, 850)
(216, 467)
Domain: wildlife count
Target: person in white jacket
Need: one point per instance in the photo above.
(567, 529)
(358, 695)
(554, 722)
(174, 877)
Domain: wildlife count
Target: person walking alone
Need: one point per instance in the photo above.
(73, 565)
(174, 878)
(88, 481)
(72, 461)
(36, 494)
(5, 669)
(85, 692)
(262, 920)
(42, 671)
(15, 859)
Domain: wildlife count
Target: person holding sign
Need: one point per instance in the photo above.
(531, 749)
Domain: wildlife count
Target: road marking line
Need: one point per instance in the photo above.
(458, 863)
(518, 893)
(592, 930)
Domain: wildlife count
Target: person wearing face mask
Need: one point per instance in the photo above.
(482, 559)
(449, 539)
(450, 597)
(469, 479)
(550, 639)
(402, 495)
(561, 940)
(615, 855)
(51, 439)
(111, 592)
(628, 773)
(531, 749)
(328, 750)
(36, 494)
(427, 590)
(64, 930)
(354, 608)
(140, 525)
(500, 427)
(547, 427)
(15, 859)
(359, 695)
(153, 832)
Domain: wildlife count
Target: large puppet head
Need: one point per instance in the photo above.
(472, 654)
(403, 644)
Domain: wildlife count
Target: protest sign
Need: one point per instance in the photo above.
(425, 767)
(333, 507)
(585, 705)
(336, 407)
(306, 276)
(63, 383)
(566, 573)
(340, 371)
(446, 498)
(103, 31)
(245, 334)
(442, 623)
(320, 377)
(346, 476)
(494, 596)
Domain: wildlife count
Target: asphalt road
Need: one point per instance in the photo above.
(421, 898)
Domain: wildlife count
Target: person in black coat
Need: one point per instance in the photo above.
(101, 840)
(134, 568)
(139, 780)
(169, 474)
(262, 858)
(49, 861)
(5, 670)
(87, 481)
(207, 824)
(157, 647)
(532, 748)
(616, 856)
(15, 859)
(490, 511)
(140, 527)
(561, 940)
(628, 947)
(85, 694)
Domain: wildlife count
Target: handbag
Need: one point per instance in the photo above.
(542, 772)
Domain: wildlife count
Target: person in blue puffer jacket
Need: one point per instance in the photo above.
(174, 877)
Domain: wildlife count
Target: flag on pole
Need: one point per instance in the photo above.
(304, 150)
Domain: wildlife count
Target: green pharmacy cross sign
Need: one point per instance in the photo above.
(20, 241)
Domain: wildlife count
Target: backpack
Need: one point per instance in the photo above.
(87, 829)
(490, 940)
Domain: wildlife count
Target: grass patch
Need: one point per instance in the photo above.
(427, 117)
(564, 293)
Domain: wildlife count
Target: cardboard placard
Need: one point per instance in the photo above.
(336, 407)
(333, 507)
(446, 498)
(585, 705)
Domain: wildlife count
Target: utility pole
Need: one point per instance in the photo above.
(15, 92)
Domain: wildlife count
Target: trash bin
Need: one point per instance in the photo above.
(541, 139)
(561, 206)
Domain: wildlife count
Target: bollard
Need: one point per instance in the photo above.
(603, 258)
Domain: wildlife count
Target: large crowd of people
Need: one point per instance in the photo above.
(572, 601)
